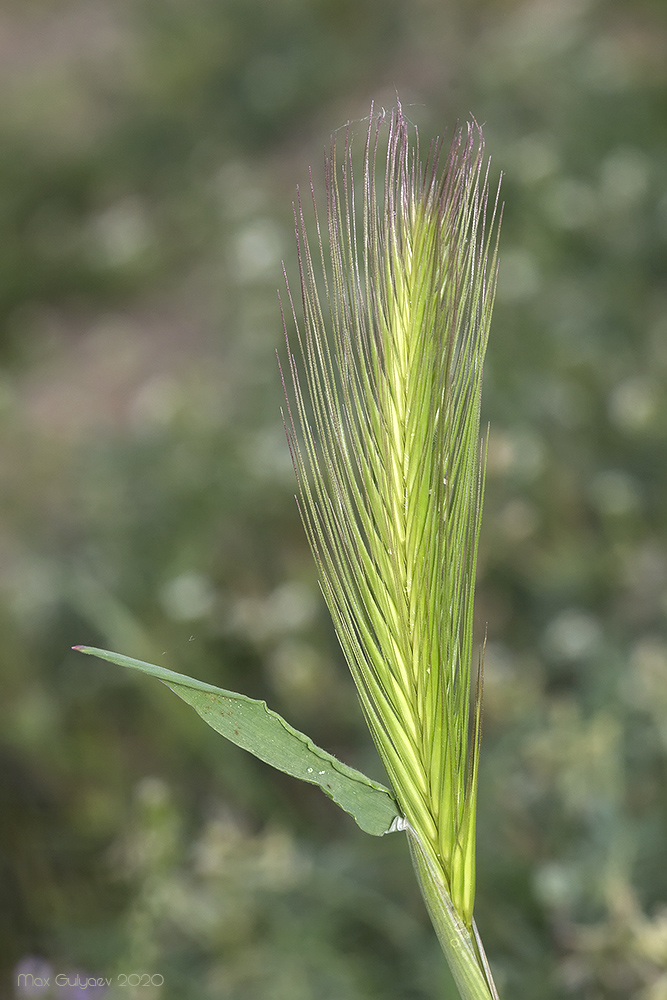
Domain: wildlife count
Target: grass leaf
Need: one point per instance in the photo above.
(255, 727)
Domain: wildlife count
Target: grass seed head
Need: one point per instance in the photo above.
(397, 284)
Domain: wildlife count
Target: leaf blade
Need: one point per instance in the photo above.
(253, 726)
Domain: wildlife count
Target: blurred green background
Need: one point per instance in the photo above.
(149, 152)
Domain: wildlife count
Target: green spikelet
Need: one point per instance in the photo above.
(383, 424)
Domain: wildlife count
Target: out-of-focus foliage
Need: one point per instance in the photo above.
(148, 159)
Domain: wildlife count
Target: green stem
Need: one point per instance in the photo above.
(462, 946)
